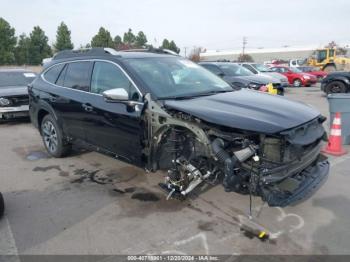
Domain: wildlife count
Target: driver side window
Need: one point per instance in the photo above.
(106, 76)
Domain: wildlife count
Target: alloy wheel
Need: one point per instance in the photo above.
(50, 136)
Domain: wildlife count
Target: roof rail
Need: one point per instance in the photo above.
(152, 50)
(97, 51)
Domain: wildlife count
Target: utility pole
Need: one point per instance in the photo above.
(244, 44)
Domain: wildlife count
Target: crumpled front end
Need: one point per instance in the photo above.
(284, 169)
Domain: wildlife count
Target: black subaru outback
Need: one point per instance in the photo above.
(160, 111)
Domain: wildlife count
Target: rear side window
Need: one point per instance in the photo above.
(52, 74)
(250, 68)
(77, 75)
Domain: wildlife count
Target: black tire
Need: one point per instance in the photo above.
(330, 68)
(53, 138)
(335, 87)
(2, 206)
(297, 82)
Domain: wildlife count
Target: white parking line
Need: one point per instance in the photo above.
(7, 241)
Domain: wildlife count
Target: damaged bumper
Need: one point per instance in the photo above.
(298, 187)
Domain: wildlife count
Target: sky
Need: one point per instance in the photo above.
(214, 25)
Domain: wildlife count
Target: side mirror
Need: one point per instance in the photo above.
(117, 94)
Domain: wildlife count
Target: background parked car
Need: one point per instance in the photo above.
(337, 82)
(14, 100)
(313, 71)
(240, 77)
(260, 69)
(295, 77)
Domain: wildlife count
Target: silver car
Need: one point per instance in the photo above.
(261, 69)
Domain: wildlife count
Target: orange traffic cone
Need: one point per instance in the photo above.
(334, 146)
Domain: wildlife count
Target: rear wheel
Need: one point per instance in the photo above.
(297, 82)
(330, 68)
(53, 137)
(2, 205)
(336, 87)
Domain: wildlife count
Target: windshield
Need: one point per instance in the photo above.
(235, 70)
(173, 77)
(261, 68)
(15, 78)
(295, 70)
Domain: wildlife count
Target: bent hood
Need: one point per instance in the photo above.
(247, 110)
(6, 91)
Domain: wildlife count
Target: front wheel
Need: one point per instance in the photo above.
(297, 83)
(2, 206)
(336, 87)
(53, 137)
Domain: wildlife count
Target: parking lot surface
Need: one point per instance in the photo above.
(89, 203)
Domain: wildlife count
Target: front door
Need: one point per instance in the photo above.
(114, 126)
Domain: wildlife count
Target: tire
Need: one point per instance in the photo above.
(297, 82)
(335, 87)
(53, 138)
(2, 206)
(330, 68)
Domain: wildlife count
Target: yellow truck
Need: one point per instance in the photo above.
(326, 59)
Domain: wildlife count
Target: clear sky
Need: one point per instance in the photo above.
(219, 24)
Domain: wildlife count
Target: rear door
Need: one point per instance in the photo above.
(70, 97)
(114, 126)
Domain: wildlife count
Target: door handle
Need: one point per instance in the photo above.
(87, 107)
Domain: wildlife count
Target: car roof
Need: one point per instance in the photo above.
(112, 54)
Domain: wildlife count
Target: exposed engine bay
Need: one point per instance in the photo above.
(282, 168)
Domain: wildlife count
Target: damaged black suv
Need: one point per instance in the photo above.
(160, 111)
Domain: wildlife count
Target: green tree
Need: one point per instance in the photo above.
(129, 38)
(170, 45)
(140, 39)
(38, 46)
(63, 38)
(22, 50)
(7, 42)
(165, 44)
(102, 39)
(118, 42)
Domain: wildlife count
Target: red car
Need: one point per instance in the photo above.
(296, 77)
(313, 71)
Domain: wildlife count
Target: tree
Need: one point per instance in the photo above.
(38, 46)
(22, 50)
(170, 45)
(245, 58)
(195, 54)
(140, 40)
(129, 38)
(118, 42)
(102, 39)
(7, 42)
(63, 38)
